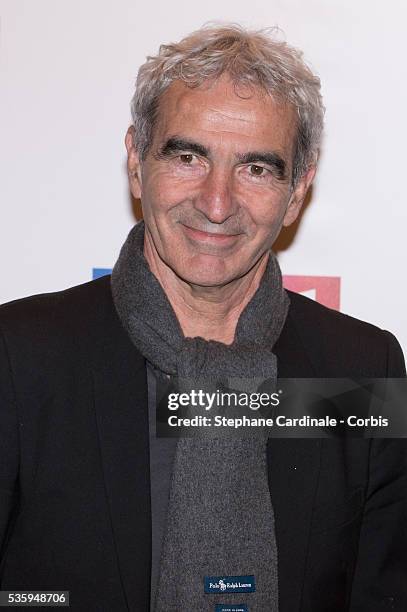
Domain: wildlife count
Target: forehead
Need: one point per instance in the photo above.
(217, 113)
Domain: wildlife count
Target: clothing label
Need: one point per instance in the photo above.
(229, 584)
(231, 608)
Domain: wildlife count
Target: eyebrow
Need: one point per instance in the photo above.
(176, 144)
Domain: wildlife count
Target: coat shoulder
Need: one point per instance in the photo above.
(76, 306)
(51, 325)
(342, 342)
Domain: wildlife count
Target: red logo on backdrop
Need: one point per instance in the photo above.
(322, 289)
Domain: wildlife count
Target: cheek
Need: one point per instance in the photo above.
(161, 191)
(266, 209)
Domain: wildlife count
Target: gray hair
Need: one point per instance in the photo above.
(250, 58)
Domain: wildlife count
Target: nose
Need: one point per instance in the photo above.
(215, 199)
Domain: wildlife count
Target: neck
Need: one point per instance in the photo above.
(211, 313)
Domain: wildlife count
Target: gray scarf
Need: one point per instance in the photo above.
(220, 519)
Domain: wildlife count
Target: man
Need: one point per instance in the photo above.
(223, 149)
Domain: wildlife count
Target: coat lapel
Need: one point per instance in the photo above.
(293, 466)
(120, 389)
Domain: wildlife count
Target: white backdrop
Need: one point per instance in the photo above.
(67, 74)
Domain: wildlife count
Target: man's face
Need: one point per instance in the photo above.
(216, 183)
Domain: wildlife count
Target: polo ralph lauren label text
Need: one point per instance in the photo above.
(229, 584)
(231, 608)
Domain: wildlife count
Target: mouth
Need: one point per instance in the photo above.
(214, 238)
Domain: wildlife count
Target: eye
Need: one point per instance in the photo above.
(186, 158)
(256, 174)
(188, 164)
(256, 170)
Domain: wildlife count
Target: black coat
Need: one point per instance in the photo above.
(74, 463)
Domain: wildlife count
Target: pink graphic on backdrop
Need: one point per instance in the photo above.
(323, 289)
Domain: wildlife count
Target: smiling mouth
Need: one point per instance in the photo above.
(214, 238)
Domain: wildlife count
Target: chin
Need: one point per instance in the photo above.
(204, 274)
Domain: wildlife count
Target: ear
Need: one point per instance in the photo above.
(298, 196)
(133, 163)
